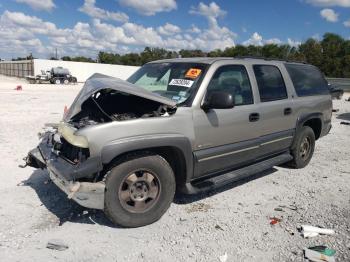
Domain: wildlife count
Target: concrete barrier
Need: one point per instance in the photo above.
(343, 83)
(83, 71)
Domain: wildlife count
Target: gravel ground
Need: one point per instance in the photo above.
(234, 220)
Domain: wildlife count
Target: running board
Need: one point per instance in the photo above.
(224, 179)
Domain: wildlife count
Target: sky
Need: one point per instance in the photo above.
(85, 27)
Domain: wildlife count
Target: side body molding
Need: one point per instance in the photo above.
(121, 146)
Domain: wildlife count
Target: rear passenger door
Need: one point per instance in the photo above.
(277, 121)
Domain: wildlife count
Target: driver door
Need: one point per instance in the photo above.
(227, 138)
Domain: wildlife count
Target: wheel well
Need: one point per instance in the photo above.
(316, 125)
(172, 155)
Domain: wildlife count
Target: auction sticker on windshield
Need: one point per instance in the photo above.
(181, 82)
(193, 73)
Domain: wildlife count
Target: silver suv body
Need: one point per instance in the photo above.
(205, 121)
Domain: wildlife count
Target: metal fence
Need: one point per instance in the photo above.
(343, 83)
(17, 68)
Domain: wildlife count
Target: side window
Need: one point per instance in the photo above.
(233, 79)
(307, 80)
(270, 83)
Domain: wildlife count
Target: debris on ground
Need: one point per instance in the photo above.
(275, 220)
(219, 227)
(56, 244)
(335, 110)
(345, 123)
(319, 254)
(198, 207)
(289, 230)
(223, 258)
(279, 209)
(18, 88)
(311, 231)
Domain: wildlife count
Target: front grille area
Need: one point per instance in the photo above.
(71, 153)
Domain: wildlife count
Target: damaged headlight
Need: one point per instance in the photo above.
(69, 135)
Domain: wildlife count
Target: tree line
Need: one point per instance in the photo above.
(331, 54)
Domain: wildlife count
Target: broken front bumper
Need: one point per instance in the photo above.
(64, 174)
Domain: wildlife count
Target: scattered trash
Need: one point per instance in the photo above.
(345, 123)
(319, 254)
(18, 88)
(324, 250)
(311, 231)
(279, 209)
(289, 230)
(275, 220)
(85, 212)
(223, 258)
(219, 227)
(291, 207)
(198, 207)
(335, 110)
(56, 244)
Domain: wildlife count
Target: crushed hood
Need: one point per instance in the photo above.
(99, 81)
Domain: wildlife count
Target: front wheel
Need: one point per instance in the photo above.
(139, 191)
(303, 148)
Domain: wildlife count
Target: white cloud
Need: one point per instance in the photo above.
(342, 3)
(31, 23)
(214, 37)
(211, 10)
(275, 41)
(90, 9)
(97, 35)
(150, 7)
(194, 29)
(293, 43)
(256, 39)
(168, 29)
(347, 23)
(330, 15)
(46, 5)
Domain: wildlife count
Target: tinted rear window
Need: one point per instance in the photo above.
(307, 80)
(270, 83)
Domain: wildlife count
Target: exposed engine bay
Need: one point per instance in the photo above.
(109, 105)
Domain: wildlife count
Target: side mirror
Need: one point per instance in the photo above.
(218, 100)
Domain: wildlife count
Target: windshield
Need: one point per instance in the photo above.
(177, 81)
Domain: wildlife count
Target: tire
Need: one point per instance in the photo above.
(126, 183)
(66, 81)
(303, 148)
(57, 81)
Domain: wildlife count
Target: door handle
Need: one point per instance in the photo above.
(253, 117)
(287, 111)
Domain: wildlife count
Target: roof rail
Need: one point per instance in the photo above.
(270, 59)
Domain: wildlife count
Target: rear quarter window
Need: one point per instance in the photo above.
(307, 80)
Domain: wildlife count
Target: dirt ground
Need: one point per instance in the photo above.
(234, 220)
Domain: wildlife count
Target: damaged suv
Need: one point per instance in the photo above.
(190, 125)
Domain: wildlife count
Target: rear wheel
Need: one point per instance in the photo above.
(303, 148)
(139, 191)
(57, 81)
(66, 81)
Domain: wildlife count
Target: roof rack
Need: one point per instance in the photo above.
(269, 59)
